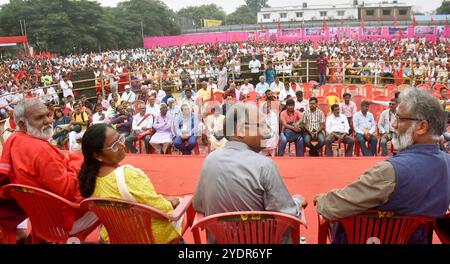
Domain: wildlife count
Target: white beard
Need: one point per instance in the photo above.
(45, 133)
(404, 140)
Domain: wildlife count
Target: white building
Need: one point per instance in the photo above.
(307, 12)
(354, 10)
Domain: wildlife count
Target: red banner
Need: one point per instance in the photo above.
(15, 39)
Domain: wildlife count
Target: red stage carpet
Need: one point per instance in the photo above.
(178, 175)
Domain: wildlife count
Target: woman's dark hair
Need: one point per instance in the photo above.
(92, 142)
(59, 111)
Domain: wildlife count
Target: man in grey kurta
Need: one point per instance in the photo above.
(237, 178)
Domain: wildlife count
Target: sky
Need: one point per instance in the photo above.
(230, 5)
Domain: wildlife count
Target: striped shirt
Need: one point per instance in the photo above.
(313, 120)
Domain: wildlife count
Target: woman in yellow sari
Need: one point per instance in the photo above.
(103, 150)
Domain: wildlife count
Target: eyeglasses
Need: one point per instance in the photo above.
(398, 118)
(115, 145)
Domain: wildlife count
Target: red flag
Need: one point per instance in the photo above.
(432, 21)
(261, 24)
(325, 24)
(446, 20)
(395, 23)
(414, 24)
(362, 22)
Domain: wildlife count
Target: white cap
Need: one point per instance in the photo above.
(127, 86)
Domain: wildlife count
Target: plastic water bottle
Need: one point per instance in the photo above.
(303, 240)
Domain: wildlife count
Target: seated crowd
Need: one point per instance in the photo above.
(234, 177)
(158, 120)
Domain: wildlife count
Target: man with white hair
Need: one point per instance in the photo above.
(237, 178)
(413, 182)
(28, 157)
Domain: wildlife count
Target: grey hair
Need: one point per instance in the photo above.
(20, 111)
(185, 105)
(238, 115)
(422, 105)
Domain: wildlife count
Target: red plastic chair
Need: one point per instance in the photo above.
(307, 87)
(338, 89)
(249, 227)
(424, 86)
(377, 93)
(130, 223)
(358, 99)
(51, 216)
(321, 99)
(325, 107)
(353, 90)
(7, 236)
(375, 227)
(325, 89)
(253, 96)
(368, 90)
(391, 87)
(442, 235)
(439, 86)
(391, 94)
(376, 109)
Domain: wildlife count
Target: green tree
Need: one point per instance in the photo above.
(157, 20)
(243, 15)
(198, 13)
(444, 8)
(66, 25)
(256, 5)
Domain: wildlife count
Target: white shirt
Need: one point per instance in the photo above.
(361, 122)
(303, 104)
(277, 88)
(254, 66)
(337, 124)
(246, 89)
(14, 98)
(49, 96)
(3, 101)
(128, 97)
(211, 86)
(385, 121)
(261, 88)
(96, 118)
(153, 110)
(161, 95)
(190, 102)
(138, 125)
(66, 87)
(284, 94)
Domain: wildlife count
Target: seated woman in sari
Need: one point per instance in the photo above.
(103, 149)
